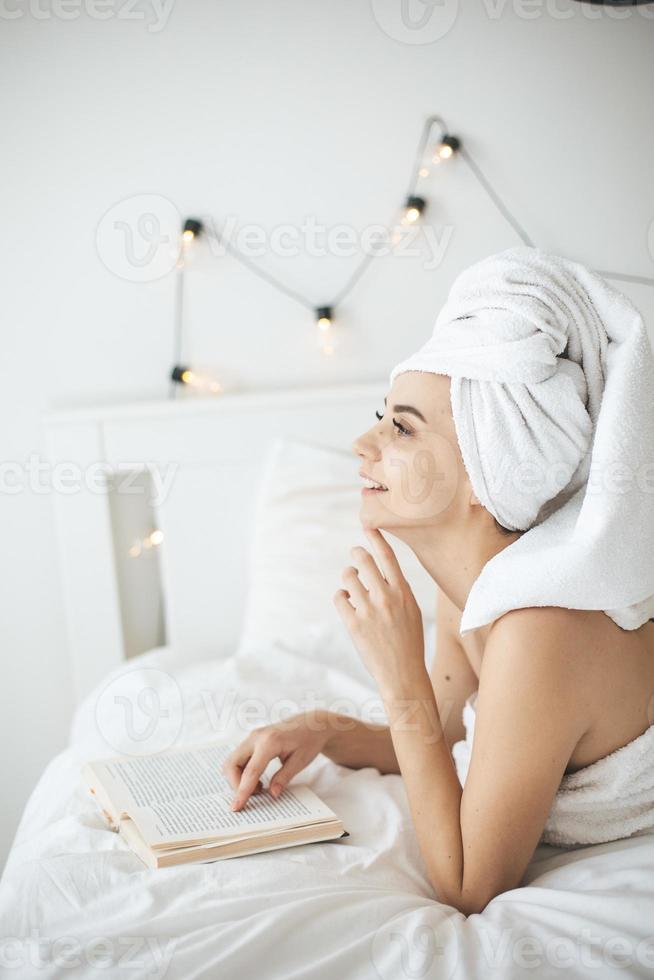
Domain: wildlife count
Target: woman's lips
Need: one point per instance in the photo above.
(372, 490)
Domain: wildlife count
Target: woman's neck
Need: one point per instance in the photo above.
(454, 559)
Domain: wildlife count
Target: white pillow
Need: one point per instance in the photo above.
(306, 520)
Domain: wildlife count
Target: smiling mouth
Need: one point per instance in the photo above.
(371, 485)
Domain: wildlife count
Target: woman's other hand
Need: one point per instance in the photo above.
(295, 742)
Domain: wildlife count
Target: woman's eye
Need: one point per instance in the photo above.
(401, 429)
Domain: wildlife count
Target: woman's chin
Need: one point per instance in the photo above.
(374, 514)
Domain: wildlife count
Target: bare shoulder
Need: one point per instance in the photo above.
(583, 638)
(548, 649)
(550, 629)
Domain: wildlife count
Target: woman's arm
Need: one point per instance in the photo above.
(476, 842)
(529, 717)
(358, 744)
(451, 675)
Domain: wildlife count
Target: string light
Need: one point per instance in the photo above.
(199, 380)
(151, 540)
(325, 322)
(193, 228)
(413, 208)
(324, 317)
(446, 146)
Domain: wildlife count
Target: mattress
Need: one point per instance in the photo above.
(75, 901)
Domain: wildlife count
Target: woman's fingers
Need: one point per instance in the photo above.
(236, 761)
(293, 765)
(375, 581)
(346, 610)
(258, 761)
(390, 566)
(354, 585)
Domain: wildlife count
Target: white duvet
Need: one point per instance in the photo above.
(76, 902)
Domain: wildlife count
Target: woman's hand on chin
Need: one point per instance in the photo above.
(383, 619)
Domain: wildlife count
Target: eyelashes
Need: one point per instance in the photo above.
(402, 430)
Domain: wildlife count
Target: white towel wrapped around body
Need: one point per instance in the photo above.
(607, 800)
(552, 393)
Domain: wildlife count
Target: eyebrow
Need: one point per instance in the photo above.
(408, 408)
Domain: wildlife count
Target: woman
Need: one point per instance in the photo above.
(545, 605)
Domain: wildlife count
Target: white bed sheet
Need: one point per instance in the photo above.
(76, 902)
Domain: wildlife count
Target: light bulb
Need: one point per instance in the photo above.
(198, 380)
(413, 208)
(152, 540)
(324, 317)
(192, 228)
(447, 147)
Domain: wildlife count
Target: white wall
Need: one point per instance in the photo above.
(272, 112)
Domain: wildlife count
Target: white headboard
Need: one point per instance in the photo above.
(206, 456)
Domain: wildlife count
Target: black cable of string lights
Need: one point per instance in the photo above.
(447, 145)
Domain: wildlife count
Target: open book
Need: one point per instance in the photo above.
(174, 808)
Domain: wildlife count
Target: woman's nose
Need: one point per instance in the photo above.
(365, 446)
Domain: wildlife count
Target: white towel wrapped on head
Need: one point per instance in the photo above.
(552, 392)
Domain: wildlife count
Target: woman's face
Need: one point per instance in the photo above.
(414, 452)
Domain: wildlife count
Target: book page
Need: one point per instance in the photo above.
(182, 796)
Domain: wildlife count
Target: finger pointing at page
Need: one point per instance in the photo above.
(250, 777)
